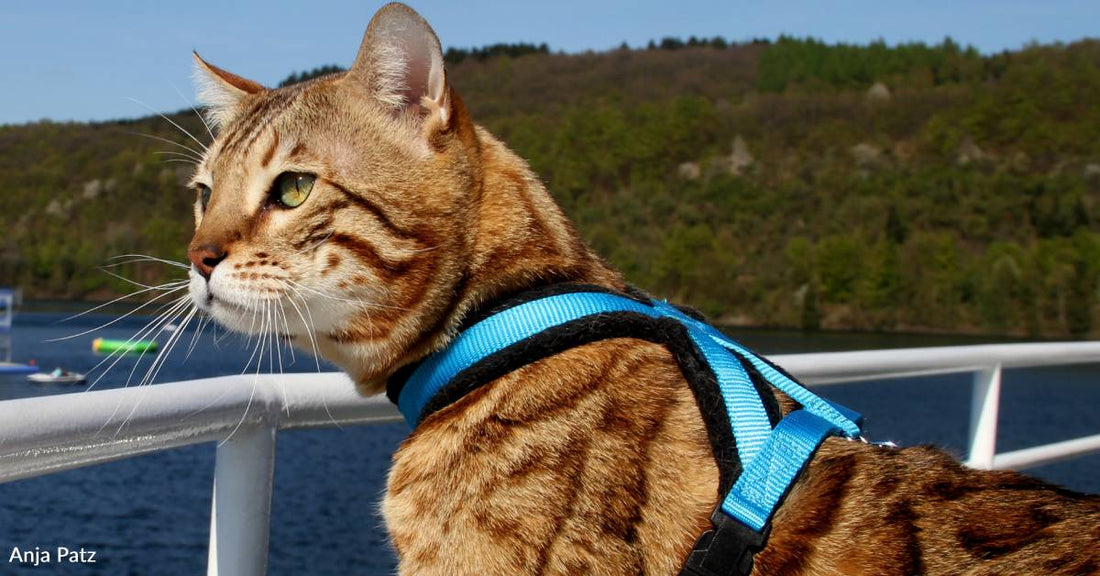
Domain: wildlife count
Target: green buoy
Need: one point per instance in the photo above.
(106, 346)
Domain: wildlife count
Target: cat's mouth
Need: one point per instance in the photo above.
(215, 303)
(249, 310)
(212, 301)
(220, 305)
(243, 318)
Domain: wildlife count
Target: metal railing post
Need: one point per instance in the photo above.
(240, 512)
(984, 411)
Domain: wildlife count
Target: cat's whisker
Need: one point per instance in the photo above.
(158, 363)
(179, 161)
(120, 352)
(263, 338)
(279, 311)
(247, 407)
(279, 349)
(178, 334)
(370, 321)
(182, 155)
(218, 339)
(114, 320)
(287, 344)
(203, 321)
(166, 141)
(158, 330)
(259, 341)
(311, 328)
(271, 342)
(154, 325)
(252, 325)
(147, 258)
(324, 295)
(348, 300)
(377, 306)
(255, 381)
(167, 287)
(374, 305)
(202, 119)
(173, 340)
(172, 122)
(286, 328)
(136, 283)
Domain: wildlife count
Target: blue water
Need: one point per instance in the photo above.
(151, 515)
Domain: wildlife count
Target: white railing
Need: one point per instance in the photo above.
(54, 433)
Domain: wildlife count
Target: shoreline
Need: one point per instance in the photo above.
(71, 307)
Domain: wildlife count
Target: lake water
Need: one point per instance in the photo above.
(151, 515)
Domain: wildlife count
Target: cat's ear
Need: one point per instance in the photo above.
(221, 92)
(401, 63)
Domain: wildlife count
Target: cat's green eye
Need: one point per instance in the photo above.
(292, 188)
(204, 195)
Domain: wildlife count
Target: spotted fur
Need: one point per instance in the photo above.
(591, 461)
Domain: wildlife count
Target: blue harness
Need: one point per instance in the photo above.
(771, 456)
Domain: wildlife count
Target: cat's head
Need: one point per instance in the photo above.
(337, 212)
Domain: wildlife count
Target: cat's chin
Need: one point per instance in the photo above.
(231, 315)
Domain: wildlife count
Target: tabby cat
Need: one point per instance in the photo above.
(371, 199)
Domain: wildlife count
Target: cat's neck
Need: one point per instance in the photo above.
(522, 238)
(518, 239)
(515, 238)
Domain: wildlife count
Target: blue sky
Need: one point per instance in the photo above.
(68, 59)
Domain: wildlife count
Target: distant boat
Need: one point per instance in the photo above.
(57, 376)
(107, 346)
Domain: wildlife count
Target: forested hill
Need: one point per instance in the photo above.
(789, 183)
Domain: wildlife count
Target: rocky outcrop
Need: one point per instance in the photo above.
(878, 93)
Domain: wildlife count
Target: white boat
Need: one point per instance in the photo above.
(58, 376)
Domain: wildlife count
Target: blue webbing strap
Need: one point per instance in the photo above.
(847, 421)
(747, 415)
(771, 459)
(748, 418)
(498, 332)
(765, 480)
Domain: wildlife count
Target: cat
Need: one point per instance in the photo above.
(372, 201)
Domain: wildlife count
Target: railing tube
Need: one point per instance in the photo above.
(984, 408)
(240, 514)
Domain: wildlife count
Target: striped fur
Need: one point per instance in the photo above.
(593, 461)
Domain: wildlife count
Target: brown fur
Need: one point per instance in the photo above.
(593, 461)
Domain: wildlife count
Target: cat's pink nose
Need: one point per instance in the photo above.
(206, 257)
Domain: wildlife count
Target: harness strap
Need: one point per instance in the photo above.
(503, 329)
(746, 411)
(766, 479)
(513, 325)
(847, 421)
(771, 458)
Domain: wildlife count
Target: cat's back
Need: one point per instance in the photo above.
(591, 461)
(864, 509)
(597, 461)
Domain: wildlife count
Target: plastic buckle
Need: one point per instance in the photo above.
(727, 550)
